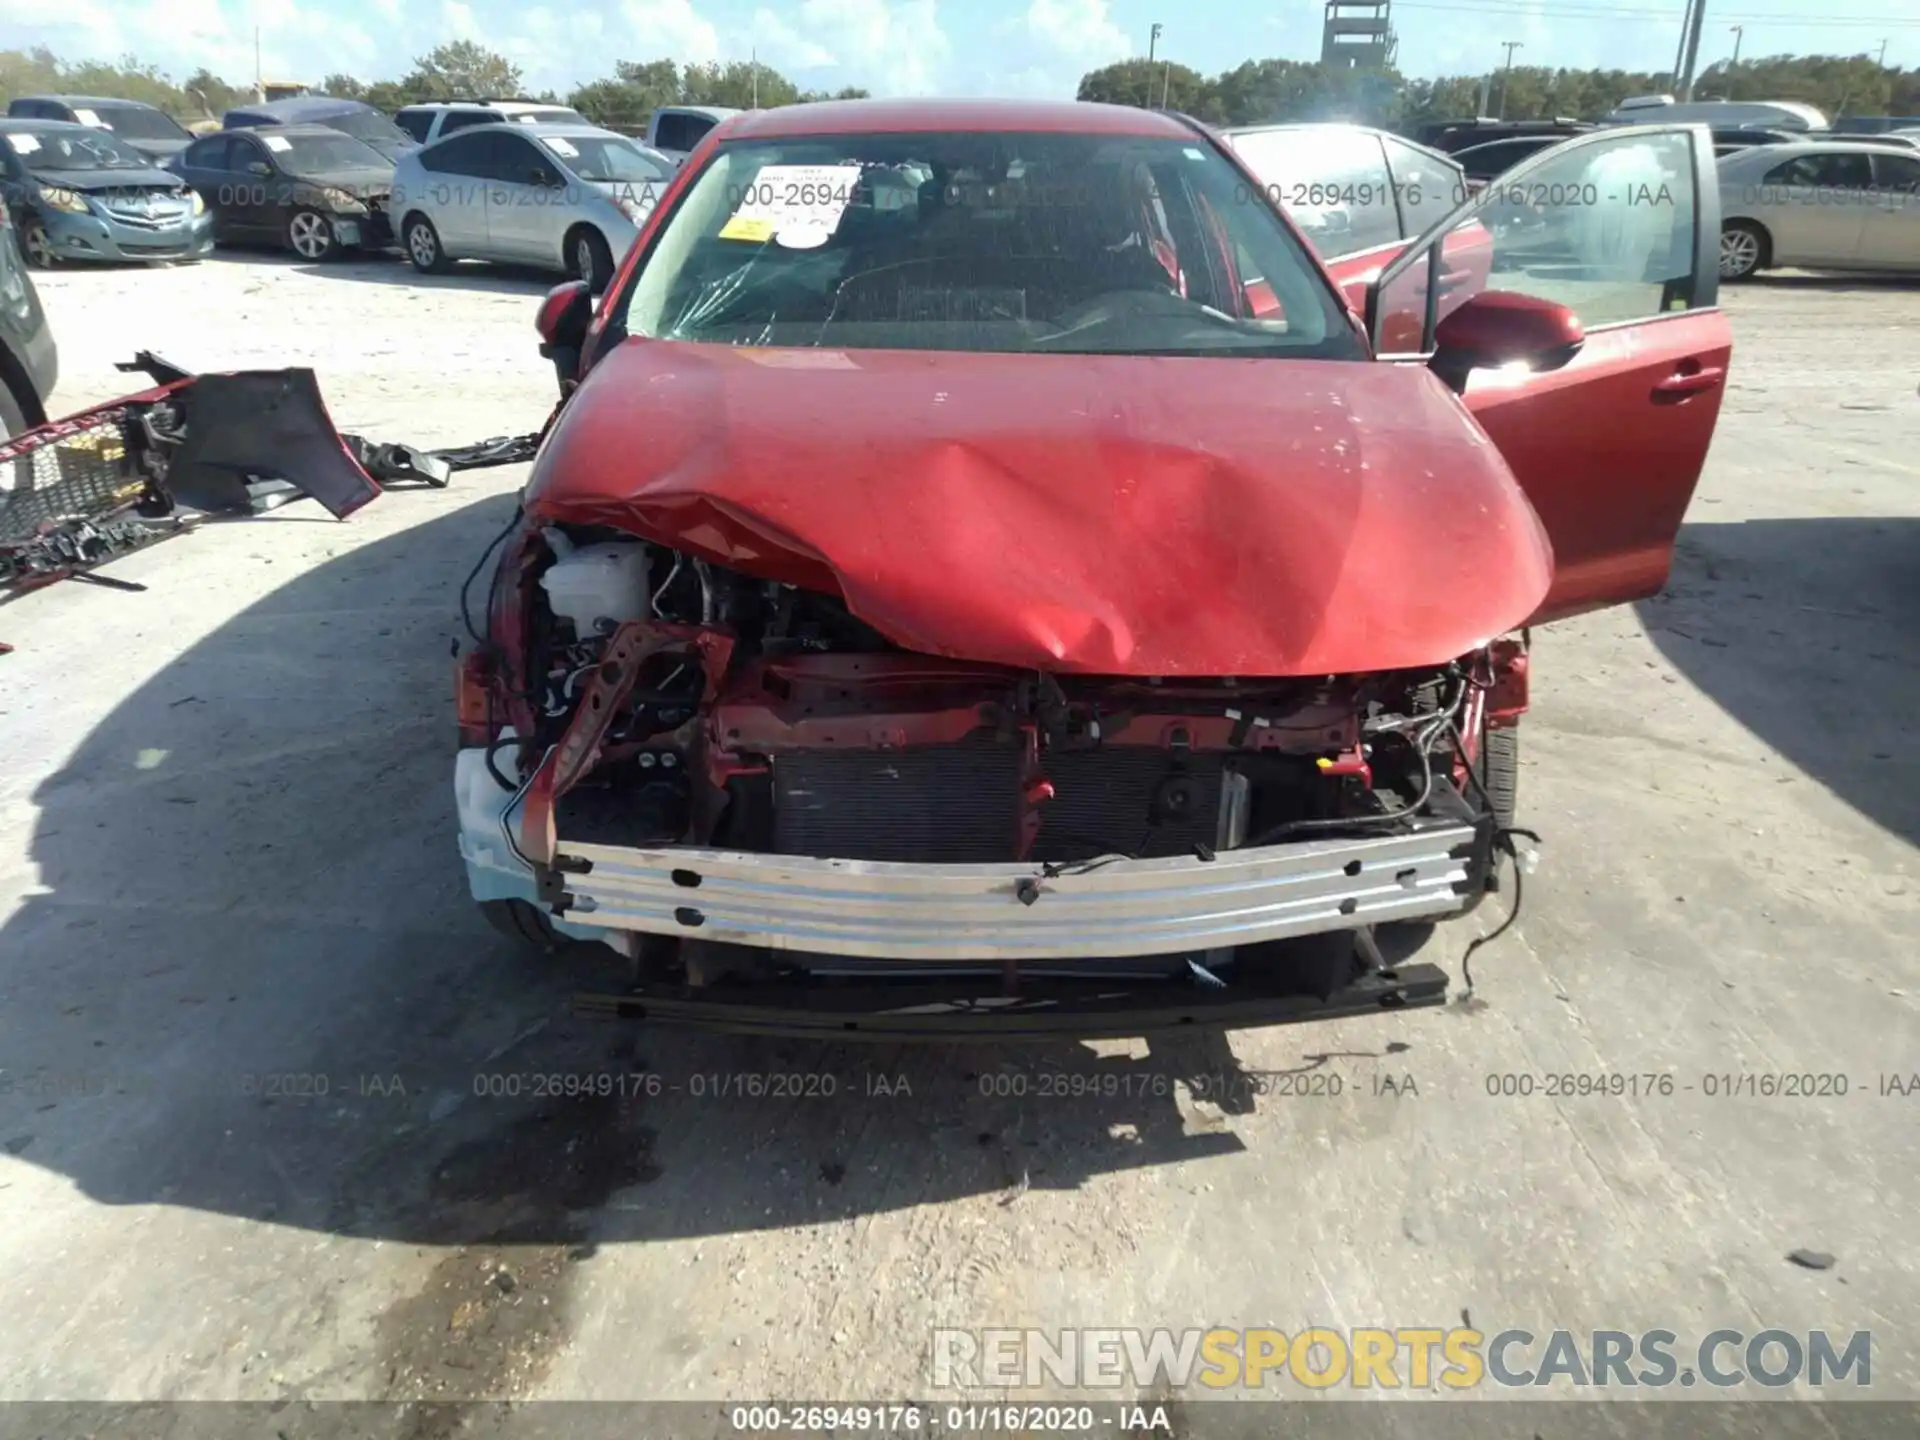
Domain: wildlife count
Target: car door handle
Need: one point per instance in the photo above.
(1452, 280)
(1689, 381)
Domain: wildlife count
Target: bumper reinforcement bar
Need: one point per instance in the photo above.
(1045, 1010)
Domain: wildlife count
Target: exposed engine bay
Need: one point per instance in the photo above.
(636, 697)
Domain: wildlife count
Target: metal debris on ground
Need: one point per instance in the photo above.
(77, 492)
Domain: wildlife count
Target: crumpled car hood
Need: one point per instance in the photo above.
(1112, 515)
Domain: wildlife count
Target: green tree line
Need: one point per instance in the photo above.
(1251, 92)
(461, 69)
(1260, 91)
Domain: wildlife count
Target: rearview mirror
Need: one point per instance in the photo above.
(1499, 327)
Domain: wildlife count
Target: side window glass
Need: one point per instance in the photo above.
(1605, 228)
(1426, 186)
(1897, 173)
(503, 156)
(677, 132)
(458, 156)
(463, 119)
(416, 124)
(209, 154)
(243, 155)
(1334, 185)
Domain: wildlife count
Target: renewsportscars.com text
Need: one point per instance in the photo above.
(1401, 1358)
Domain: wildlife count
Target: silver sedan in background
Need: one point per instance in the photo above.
(566, 197)
(1826, 204)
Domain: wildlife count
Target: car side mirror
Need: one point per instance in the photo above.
(542, 176)
(1500, 327)
(562, 321)
(259, 167)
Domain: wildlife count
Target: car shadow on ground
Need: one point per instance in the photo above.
(252, 983)
(389, 267)
(1805, 630)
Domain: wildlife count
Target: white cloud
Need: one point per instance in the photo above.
(780, 44)
(1078, 30)
(667, 29)
(891, 47)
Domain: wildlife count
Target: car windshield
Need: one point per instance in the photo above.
(1003, 242)
(367, 125)
(74, 150)
(604, 157)
(319, 154)
(136, 122)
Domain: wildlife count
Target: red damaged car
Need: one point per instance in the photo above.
(985, 577)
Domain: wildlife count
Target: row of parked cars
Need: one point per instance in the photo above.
(91, 178)
(539, 185)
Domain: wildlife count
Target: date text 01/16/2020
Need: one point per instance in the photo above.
(913, 1420)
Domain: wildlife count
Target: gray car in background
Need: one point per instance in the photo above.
(1829, 205)
(561, 197)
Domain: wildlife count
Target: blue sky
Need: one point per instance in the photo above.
(957, 47)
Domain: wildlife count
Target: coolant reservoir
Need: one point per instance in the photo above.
(599, 587)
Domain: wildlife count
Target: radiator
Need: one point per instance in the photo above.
(960, 803)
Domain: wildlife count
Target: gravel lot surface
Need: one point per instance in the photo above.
(228, 849)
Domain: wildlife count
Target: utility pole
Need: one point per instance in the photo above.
(1882, 60)
(259, 79)
(1739, 34)
(755, 62)
(1506, 74)
(1166, 83)
(1693, 50)
(1153, 41)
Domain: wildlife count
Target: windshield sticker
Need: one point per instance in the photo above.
(277, 142)
(24, 144)
(798, 206)
(563, 148)
(90, 117)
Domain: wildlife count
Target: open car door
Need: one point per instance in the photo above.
(1608, 438)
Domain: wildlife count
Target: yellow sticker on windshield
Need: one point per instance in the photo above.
(758, 229)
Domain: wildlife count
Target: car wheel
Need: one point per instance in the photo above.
(423, 246)
(589, 259)
(519, 920)
(310, 235)
(1743, 249)
(37, 245)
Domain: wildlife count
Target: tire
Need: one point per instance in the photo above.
(422, 244)
(1745, 248)
(13, 415)
(36, 246)
(589, 258)
(309, 234)
(1499, 771)
(519, 920)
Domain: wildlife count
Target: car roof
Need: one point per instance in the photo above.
(91, 102)
(712, 111)
(564, 129)
(301, 106)
(879, 117)
(28, 124)
(295, 131)
(1542, 141)
(1232, 130)
(500, 107)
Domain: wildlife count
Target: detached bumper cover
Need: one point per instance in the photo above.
(1014, 911)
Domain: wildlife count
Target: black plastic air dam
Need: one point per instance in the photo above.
(1044, 1010)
